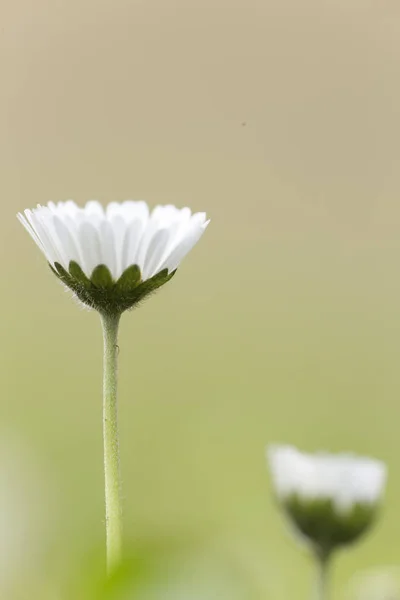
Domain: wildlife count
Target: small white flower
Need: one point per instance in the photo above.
(331, 498)
(118, 238)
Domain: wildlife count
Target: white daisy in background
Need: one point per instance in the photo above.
(113, 258)
(332, 499)
(329, 496)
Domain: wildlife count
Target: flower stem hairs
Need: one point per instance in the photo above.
(112, 259)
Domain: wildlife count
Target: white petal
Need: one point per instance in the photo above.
(44, 234)
(131, 244)
(160, 218)
(31, 231)
(67, 241)
(90, 247)
(178, 227)
(70, 208)
(93, 207)
(132, 210)
(119, 228)
(107, 243)
(191, 237)
(154, 253)
(147, 235)
(46, 217)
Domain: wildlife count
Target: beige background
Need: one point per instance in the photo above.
(280, 119)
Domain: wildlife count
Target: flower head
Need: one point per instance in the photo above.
(331, 498)
(112, 258)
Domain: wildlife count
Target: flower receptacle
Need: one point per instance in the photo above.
(327, 527)
(106, 295)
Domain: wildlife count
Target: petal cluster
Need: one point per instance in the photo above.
(119, 236)
(344, 479)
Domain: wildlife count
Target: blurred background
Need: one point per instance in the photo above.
(281, 119)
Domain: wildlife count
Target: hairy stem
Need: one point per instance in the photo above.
(322, 564)
(110, 325)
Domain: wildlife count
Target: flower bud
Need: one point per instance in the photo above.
(331, 499)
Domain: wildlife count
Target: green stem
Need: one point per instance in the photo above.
(110, 325)
(322, 562)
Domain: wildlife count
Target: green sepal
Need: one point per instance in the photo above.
(63, 274)
(129, 279)
(76, 273)
(325, 525)
(53, 269)
(101, 277)
(151, 285)
(104, 294)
